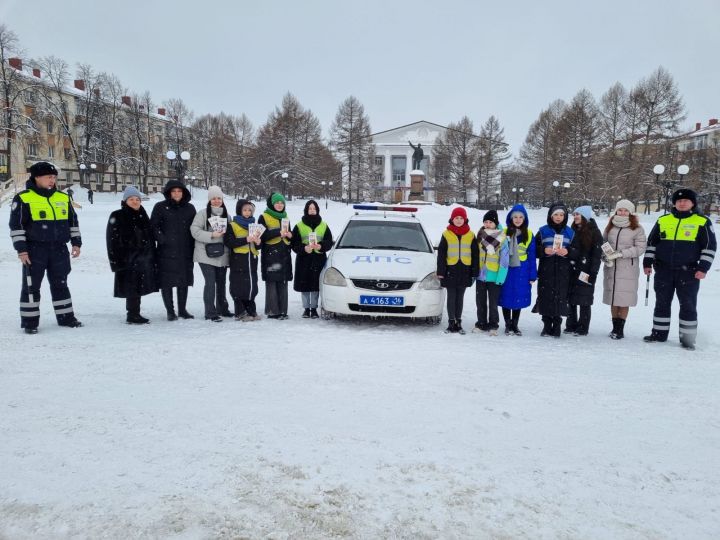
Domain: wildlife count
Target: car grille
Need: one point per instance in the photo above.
(383, 285)
(405, 310)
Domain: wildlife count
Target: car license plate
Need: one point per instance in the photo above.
(381, 300)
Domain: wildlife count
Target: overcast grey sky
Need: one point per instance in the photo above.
(405, 61)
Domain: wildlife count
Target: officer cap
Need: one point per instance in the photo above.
(42, 168)
(685, 193)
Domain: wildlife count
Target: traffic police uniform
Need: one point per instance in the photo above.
(680, 244)
(42, 221)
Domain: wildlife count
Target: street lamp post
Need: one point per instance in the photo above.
(517, 191)
(668, 184)
(497, 197)
(84, 172)
(179, 163)
(284, 176)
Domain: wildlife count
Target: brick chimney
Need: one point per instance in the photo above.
(712, 121)
(126, 101)
(161, 111)
(36, 72)
(698, 125)
(15, 63)
(80, 84)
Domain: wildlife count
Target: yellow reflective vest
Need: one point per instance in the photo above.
(242, 232)
(305, 231)
(271, 222)
(459, 249)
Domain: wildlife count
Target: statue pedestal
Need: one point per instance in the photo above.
(417, 183)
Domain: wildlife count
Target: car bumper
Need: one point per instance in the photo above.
(417, 303)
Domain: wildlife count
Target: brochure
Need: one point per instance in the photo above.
(218, 223)
(558, 242)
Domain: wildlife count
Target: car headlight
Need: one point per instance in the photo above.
(334, 277)
(430, 283)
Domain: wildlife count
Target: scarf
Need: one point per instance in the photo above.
(489, 237)
(459, 230)
(312, 221)
(274, 213)
(244, 222)
(621, 221)
(514, 255)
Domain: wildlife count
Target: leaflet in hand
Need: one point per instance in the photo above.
(558, 242)
(285, 225)
(256, 229)
(584, 277)
(312, 238)
(217, 223)
(607, 249)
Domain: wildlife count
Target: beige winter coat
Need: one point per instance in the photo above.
(202, 235)
(620, 281)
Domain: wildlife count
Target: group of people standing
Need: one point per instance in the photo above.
(159, 252)
(565, 260)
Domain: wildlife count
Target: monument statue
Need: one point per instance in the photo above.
(417, 156)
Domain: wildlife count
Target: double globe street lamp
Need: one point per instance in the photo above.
(325, 186)
(668, 183)
(179, 163)
(84, 172)
(556, 184)
(517, 191)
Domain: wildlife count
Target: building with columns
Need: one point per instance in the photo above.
(393, 159)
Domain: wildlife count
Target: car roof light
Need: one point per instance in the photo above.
(384, 208)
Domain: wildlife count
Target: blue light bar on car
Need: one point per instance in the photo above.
(383, 208)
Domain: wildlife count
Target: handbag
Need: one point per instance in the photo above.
(214, 249)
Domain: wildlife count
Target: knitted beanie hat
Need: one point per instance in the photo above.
(627, 205)
(215, 191)
(491, 215)
(585, 211)
(131, 191)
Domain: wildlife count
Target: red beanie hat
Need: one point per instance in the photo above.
(459, 211)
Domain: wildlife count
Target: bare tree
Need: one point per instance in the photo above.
(14, 120)
(350, 140)
(540, 153)
(455, 160)
(492, 153)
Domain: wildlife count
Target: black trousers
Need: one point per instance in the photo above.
(276, 297)
(167, 296)
(214, 296)
(486, 299)
(455, 298)
(51, 258)
(682, 283)
(245, 306)
(579, 323)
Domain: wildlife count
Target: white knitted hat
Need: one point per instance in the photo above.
(214, 191)
(627, 205)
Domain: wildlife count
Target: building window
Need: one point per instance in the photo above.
(66, 153)
(50, 126)
(379, 172)
(51, 152)
(32, 149)
(399, 165)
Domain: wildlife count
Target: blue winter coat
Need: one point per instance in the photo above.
(516, 291)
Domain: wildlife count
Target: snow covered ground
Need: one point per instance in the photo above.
(322, 429)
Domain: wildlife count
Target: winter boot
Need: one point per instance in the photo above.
(655, 337)
(458, 327)
(571, 323)
(515, 321)
(451, 327)
(72, 323)
(182, 302)
(136, 318)
(314, 313)
(547, 327)
(618, 328)
(168, 302)
(306, 313)
(557, 327)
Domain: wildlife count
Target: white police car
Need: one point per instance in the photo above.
(383, 264)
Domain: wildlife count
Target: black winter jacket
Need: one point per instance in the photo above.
(586, 260)
(170, 223)
(131, 252)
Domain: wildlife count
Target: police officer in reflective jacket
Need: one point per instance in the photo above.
(681, 248)
(42, 221)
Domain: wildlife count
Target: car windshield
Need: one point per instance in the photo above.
(391, 235)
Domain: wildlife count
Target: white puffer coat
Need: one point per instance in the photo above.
(620, 281)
